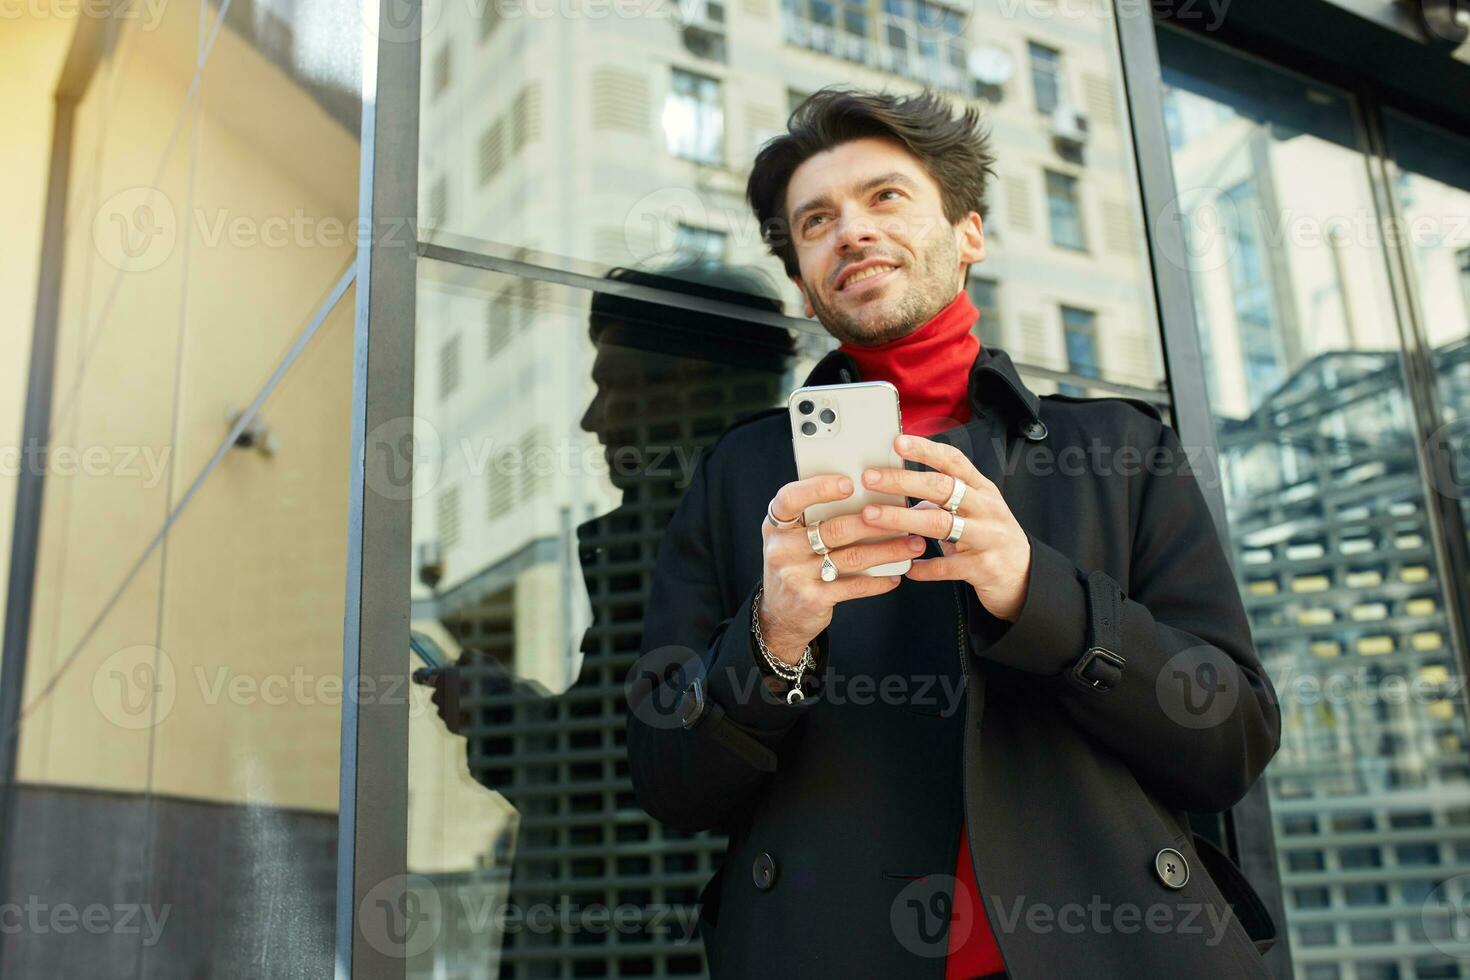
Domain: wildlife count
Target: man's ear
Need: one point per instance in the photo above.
(810, 312)
(971, 238)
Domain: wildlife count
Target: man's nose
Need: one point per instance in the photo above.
(855, 229)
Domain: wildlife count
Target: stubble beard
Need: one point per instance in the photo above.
(931, 289)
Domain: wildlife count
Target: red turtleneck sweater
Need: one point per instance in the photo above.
(931, 370)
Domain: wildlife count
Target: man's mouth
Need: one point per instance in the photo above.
(851, 280)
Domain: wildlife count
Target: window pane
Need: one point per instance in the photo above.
(1327, 511)
(591, 143)
(181, 718)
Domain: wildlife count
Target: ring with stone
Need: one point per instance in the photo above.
(829, 569)
(956, 495)
(955, 529)
(776, 522)
(814, 538)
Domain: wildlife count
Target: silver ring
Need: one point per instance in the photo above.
(777, 522)
(829, 569)
(955, 529)
(956, 495)
(814, 538)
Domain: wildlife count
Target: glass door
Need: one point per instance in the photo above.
(1330, 516)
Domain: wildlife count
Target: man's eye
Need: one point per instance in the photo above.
(808, 222)
(889, 191)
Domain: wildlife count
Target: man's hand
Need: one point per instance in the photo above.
(796, 604)
(993, 553)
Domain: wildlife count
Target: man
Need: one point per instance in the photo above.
(990, 768)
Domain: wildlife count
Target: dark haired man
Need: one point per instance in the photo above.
(1085, 616)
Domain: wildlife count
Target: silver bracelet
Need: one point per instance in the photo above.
(779, 667)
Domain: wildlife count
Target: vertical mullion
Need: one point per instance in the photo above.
(1249, 830)
(372, 844)
(1446, 519)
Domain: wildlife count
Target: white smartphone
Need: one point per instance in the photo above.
(845, 429)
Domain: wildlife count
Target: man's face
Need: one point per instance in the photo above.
(877, 257)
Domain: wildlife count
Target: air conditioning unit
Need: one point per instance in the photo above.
(1068, 125)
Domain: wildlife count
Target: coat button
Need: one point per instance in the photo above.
(764, 871)
(1171, 868)
(1035, 430)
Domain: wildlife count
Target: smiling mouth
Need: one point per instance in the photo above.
(872, 272)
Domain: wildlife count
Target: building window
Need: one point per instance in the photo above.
(702, 244)
(1079, 328)
(492, 151)
(924, 41)
(1046, 76)
(694, 119)
(985, 294)
(449, 367)
(498, 324)
(443, 64)
(449, 518)
(438, 202)
(489, 19)
(918, 39)
(1064, 211)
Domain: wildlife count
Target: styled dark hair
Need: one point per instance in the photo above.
(955, 152)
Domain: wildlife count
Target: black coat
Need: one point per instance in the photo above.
(844, 809)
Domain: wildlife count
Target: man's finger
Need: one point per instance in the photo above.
(941, 457)
(794, 498)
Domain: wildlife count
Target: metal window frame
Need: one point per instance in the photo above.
(1245, 831)
(372, 838)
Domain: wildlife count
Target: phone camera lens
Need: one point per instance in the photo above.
(809, 428)
(828, 416)
(805, 407)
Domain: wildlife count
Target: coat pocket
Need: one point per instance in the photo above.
(1236, 889)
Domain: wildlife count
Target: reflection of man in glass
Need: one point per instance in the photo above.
(668, 381)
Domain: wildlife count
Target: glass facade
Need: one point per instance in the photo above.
(178, 731)
(1321, 467)
(591, 308)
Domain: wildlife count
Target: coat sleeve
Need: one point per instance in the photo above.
(1192, 713)
(685, 778)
